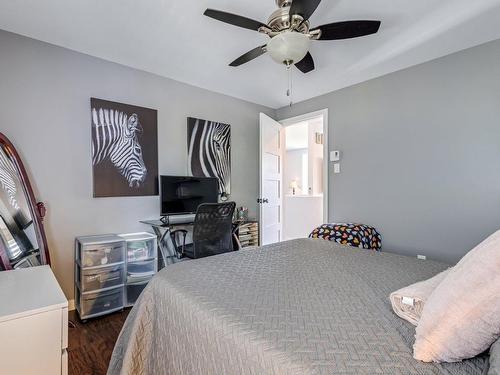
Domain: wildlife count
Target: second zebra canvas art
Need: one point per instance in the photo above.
(209, 152)
(124, 149)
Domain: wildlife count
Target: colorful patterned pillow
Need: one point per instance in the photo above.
(351, 234)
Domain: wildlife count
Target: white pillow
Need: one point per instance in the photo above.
(461, 318)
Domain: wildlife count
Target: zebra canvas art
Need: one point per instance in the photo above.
(209, 152)
(124, 149)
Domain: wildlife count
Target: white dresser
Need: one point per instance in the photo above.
(33, 323)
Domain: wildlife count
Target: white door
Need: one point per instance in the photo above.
(270, 198)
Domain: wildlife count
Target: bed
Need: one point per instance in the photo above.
(297, 307)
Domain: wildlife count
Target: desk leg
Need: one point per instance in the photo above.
(163, 247)
(159, 246)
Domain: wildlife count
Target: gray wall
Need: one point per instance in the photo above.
(421, 153)
(45, 98)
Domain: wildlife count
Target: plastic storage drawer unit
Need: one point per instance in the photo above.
(141, 263)
(100, 272)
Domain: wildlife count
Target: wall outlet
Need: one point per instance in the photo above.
(336, 168)
(421, 257)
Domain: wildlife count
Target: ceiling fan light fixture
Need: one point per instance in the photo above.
(288, 47)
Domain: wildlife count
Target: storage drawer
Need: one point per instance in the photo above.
(102, 255)
(100, 278)
(141, 250)
(99, 303)
(134, 290)
(100, 248)
(141, 269)
(140, 246)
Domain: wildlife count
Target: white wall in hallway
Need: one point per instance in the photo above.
(304, 210)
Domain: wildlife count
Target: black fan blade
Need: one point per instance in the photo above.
(250, 55)
(234, 19)
(304, 8)
(306, 65)
(347, 29)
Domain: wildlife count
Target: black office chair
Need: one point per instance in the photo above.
(212, 232)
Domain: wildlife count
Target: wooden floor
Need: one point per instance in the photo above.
(91, 344)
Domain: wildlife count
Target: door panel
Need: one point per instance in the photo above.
(271, 164)
(272, 234)
(270, 214)
(272, 191)
(270, 198)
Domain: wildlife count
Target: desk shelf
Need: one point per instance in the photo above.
(248, 233)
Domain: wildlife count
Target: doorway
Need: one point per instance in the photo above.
(293, 197)
(305, 180)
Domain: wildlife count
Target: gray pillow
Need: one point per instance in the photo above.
(495, 359)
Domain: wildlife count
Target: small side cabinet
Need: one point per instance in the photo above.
(112, 270)
(99, 275)
(33, 323)
(141, 263)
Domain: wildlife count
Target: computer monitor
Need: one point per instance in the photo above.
(182, 194)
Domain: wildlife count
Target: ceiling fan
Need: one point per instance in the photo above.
(291, 34)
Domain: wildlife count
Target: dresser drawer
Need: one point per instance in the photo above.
(64, 362)
(99, 303)
(100, 278)
(100, 255)
(31, 345)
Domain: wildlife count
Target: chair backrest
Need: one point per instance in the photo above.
(213, 231)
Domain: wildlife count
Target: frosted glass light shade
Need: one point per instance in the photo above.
(288, 46)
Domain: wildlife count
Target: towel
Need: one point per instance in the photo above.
(409, 302)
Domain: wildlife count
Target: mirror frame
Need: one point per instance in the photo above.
(37, 209)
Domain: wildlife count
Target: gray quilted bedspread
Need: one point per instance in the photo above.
(298, 307)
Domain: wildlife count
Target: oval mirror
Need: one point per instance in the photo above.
(22, 237)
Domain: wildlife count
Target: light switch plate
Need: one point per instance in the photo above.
(335, 155)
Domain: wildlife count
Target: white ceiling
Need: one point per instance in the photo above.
(173, 39)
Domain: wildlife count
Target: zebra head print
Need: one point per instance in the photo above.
(8, 176)
(115, 138)
(209, 152)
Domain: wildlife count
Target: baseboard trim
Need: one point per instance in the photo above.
(71, 304)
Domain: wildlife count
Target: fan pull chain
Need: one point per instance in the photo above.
(289, 91)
